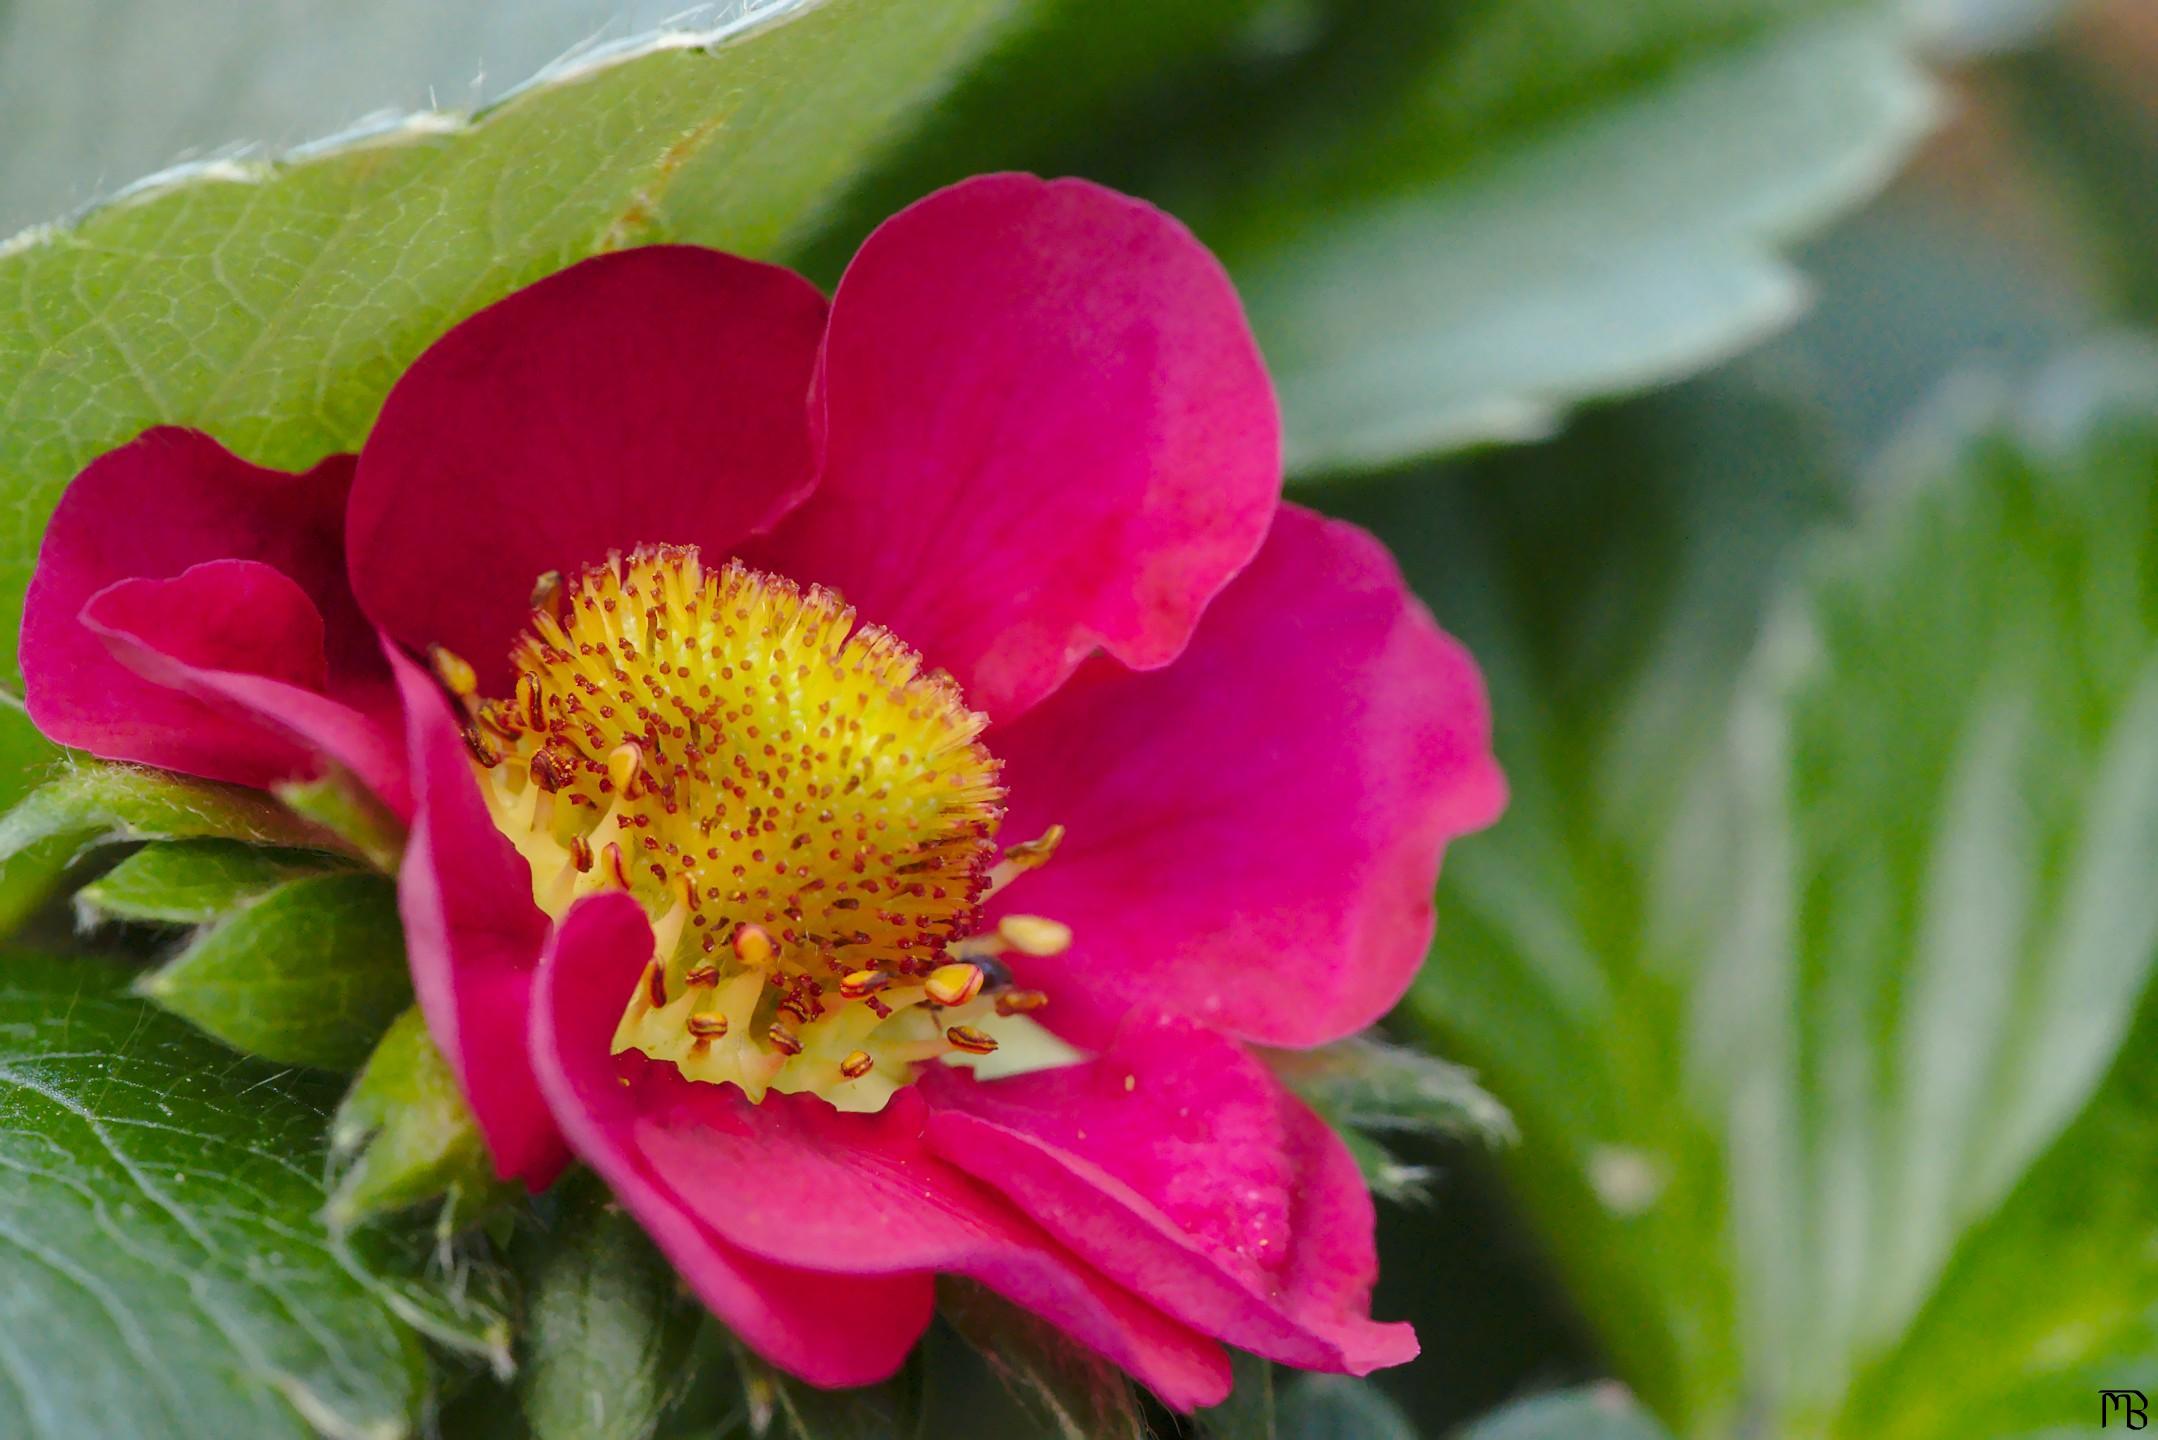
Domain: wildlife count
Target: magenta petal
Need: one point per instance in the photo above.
(242, 637)
(1045, 427)
(1181, 1169)
(1255, 831)
(169, 500)
(473, 936)
(805, 1187)
(829, 1329)
(651, 396)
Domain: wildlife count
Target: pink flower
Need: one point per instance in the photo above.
(705, 885)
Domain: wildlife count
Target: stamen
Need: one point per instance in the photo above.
(860, 984)
(623, 763)
(1020, 1002)
(706, 1025)
(857, 1064)
(954, 985)
(455, 673)
(971, 1040)
(753, 945)
(1034, 935)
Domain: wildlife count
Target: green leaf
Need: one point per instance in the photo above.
(1451, 222)
(1816, 1012)
(1601, 1412)
(1367, 1088)
(404, 1135)
(189, 882)
(163, 1273)
(95, 804)
(273, 303)
(783, 1407)
(1336, 1407)
(1064, 1388)
(342, 806)
(98, 804)
(1560, 206)
(1249, 1412)
(310, 974)
(26, 760)
(608, 1326)
(90, 91)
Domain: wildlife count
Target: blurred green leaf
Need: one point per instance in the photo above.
(785, 1408)
(272, 303)
(94, 92)
(164, 1275)
(1064, 1388)
(1248, 1413)
(404, 1135)
(1571, 199)
(1339, 1407)
(608, 1326)
(190, 882)
(1367, 1088)
(1451, 222)
(1796, 970)
(1602, 1412)
(312, 973)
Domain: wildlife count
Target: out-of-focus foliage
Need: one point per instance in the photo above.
(1823, 912)
(1451, 220)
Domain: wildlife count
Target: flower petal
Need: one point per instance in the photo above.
(1254, 833)
(828, 1329)
(802, 1185)
(649, 396)
(166, 501)
(1045, 427)
(473, 936)
(1182, 1170)
(242, 637)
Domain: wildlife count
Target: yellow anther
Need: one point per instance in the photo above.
(783, 1039)
(655, 984)
(1020, 1002)
(1035, 934)
(1035, 853)
(971, 1040)
(454, 671)
(531, 705)
(954, 984)
(706, 1025)
(623, 763)
(857, 1064)
(704, 977)
(612, 868)
(859, 984)
(753, 945)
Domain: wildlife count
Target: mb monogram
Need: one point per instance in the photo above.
(2126, 1405)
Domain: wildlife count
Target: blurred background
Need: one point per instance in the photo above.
(1762, 389)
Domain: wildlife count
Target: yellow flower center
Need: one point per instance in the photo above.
(807, 816)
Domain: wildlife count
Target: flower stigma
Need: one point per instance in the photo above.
(807, 816)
